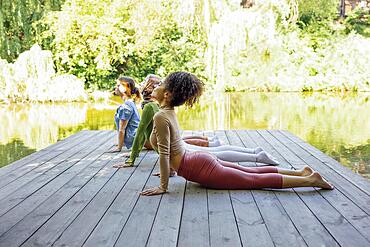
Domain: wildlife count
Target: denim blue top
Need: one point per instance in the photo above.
(128, 111)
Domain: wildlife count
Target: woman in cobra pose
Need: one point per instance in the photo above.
(201, 167)
(192, 143)
(127, 116)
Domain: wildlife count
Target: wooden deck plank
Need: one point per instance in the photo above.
(31, 185)
(55, 226)
(347, 208)
(346, 187)
(223, 228)
(271, 208)
(76, 198)
(165, 229)
(66, 210)
(23, 209)
(361, 182)
(166, 225)
(137, 229)
(47, 155)
(43, 172)
(36, 155)
(310, 228)
(252, 227)
(343, 232)
(109, 210)
(34, 220)
(194, 230)
(272, 221)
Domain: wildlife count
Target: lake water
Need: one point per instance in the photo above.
(338, 125)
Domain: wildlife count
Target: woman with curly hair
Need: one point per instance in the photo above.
(201, 167)
(145, 127)
(192, 143)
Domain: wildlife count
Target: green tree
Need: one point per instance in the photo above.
(16, 18)
(98, 40)
(359, 21)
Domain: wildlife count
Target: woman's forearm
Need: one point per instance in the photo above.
(121, 138)
(164, 169)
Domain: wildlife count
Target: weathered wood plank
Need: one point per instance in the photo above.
(16, 214)
(36, 155)
(80, 200)
(361, 182)
(346, 187)
(113, 209)
(222, 225)
(307, 224)
(347, 208)
(137, 229)
(53, 228)
(252, 227)
(166, 225)
(271, 208)
(47, 154)
(165, 229)
(17, 169)
(45, 169)
(339, 227)
(194, 229)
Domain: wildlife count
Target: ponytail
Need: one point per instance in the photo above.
(130, 84)
(137, 93)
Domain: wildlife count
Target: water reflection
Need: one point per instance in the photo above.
(336, 124)
(12, 151)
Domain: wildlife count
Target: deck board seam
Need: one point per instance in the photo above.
(328, 165)
(111, 203)
(40, 165)
(43, 184)
(71, 197)
(273, 192)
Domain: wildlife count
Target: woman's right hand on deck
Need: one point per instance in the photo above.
(158, 174)
(153, 191)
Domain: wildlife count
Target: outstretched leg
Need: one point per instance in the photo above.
(231, 178)
(205, 169)
(305, 171)
(224, 148)
(234, 156)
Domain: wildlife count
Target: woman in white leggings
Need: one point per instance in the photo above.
(236, 153)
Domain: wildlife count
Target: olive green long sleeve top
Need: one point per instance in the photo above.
(144, 130)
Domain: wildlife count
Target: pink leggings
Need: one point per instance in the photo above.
(210, 172)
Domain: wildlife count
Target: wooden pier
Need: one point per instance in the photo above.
(69, 195)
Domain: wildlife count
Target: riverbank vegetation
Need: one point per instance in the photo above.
(291, 45)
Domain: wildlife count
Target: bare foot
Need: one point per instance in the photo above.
(258, 150)
(266, 158)
(318, 181)
(306, 171)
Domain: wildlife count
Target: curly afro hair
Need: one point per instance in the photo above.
(185, 88)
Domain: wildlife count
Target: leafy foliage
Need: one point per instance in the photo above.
(16, 18)
(291, 45)
(98, 40)
(359, 21)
